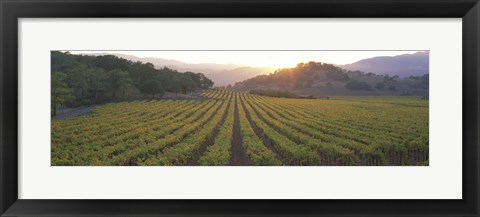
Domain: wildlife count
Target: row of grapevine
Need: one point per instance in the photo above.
(215, 94)
(132, 141)
(219, 154)
(331, 154)
(320, 112)
(172, 132)
(292, 153)
(259, 154)
(410, 143)
(89, 145)
(184, 150)
(380, 149)
(348, 117)
(224, 128)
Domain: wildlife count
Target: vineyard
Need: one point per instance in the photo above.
(233, 128)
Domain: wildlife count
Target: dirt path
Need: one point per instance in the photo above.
(239, 158)
(74, 113)
(211, 140)
(260, 135)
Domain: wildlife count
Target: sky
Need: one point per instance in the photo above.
(274, 59)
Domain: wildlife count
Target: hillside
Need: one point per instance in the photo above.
(404, 65)
(322, 79)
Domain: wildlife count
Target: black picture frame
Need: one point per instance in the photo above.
(12, 10)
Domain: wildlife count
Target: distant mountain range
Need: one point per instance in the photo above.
(220, 74)
(404, 65)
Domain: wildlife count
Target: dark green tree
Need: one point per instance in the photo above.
(152, 87)
(60, 91)
(187, 84)
(118, 80)
(380, 86)
(200, 80)
(171, 83)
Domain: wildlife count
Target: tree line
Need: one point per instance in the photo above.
(82, 80)
(279, 94)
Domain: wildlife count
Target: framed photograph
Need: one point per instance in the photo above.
(239, 108)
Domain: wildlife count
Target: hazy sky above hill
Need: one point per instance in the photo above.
(274, 59)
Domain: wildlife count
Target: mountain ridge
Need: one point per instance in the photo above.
(403, 65)
(216, 72)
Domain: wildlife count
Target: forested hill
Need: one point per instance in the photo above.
(78, 80)
(322, 79)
